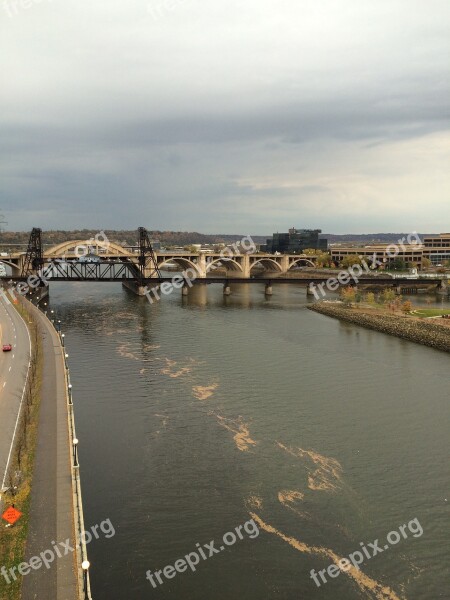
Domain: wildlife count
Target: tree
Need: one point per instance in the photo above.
(387, 296)
(398, 265)
(350, 260)
(426, 263)
(396, 304)
(323, 259)
(369, 298)
(407, 307)
(348, 295)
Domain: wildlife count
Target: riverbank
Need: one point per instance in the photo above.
(420, 331)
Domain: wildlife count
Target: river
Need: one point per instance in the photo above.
(195, 414)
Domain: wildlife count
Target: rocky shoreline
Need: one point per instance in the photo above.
(415, 330)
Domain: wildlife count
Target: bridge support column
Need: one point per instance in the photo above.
(268, 291)
(442, 287)
(201, 265)
(185, 290)
(134, 287)
(398, 290)
(284, 264)
(309, 289)
(226, 289)
(245, 264)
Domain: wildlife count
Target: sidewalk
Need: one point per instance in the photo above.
(51, 511)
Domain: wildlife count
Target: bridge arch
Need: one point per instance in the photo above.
(303, 259)
(183, 262)
(267, 263)
(227, 263)
(110, 247)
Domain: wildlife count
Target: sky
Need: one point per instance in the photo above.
(225, 116)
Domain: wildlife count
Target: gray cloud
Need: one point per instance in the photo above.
(247, 116)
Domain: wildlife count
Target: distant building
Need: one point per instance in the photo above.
(381, 254)
(296, 241)
(437, 248)
(434, 248)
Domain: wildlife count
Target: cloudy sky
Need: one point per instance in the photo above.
(231, 116)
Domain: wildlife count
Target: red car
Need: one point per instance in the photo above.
(7, 347)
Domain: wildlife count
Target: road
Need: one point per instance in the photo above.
(51, 510)
(13, 372)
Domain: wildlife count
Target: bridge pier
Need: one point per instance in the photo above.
(269, 290)
(226, 289)
(442, 287)
(185, 290)
(309, 289)
(134, 287)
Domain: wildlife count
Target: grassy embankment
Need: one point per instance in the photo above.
(19, 481)
(430, 312)
(399, 323)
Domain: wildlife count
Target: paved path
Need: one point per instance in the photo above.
(51, 512)
(13, 370)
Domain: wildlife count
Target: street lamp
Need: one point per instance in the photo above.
(69, 387)
(75, 452)
(59, 325)
(62, 339)
(66, 356)
(85, 566)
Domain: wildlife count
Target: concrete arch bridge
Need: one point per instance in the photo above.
(140, 267)
(71, 257)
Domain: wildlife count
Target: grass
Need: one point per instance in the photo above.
(13, 539)
(431, 312)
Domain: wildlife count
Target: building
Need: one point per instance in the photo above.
(437, 248)
(381, 254)
(296, 241)
(434, 248)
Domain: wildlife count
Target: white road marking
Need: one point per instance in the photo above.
(9, 369)
(2, 485)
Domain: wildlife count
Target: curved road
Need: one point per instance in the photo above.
(13, 373)
(51, 510)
